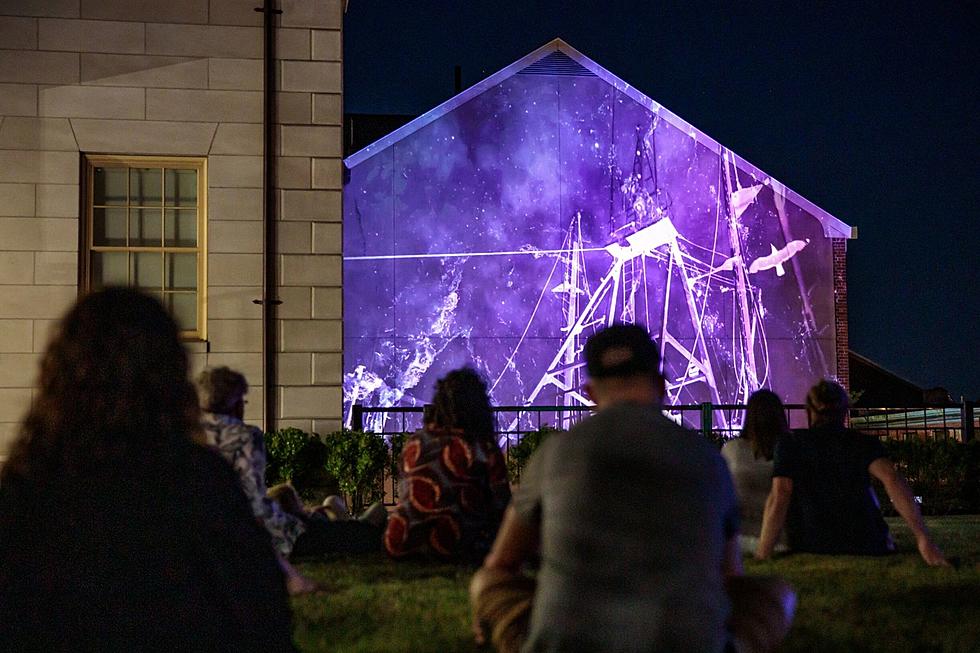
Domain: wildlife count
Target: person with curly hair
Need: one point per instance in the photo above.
(453, 488)
(119, 530)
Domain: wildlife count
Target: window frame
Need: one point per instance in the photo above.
(198, 163)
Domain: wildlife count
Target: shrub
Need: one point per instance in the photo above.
(357, 459)
(519, 454)
(283, 449)
(945, 473)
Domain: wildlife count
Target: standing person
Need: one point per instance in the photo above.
(749, 459)
(453, 488)
(117, 530)
(821, 488)
(636, 522)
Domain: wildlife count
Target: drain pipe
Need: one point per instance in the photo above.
(269, 300)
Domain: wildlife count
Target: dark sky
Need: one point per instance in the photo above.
(871, 110)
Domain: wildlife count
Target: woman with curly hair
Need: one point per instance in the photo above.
(453, 488)
(118, 531)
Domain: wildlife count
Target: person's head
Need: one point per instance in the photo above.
(461, 402)
(623, 364)
(765, 421)
(113, 391)
(827, 404)
(222, 391)
(288, 499)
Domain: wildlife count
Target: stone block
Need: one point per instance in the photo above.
(39, 234)
(36, 302)
(17, 133)
(51, 8)
(328, 303)
(310, 402)
(18, 370)
(296, 303)
(255, 404)
(328, 109)
(90, 36)
(328, 173)
(18, 33)
(57, 200)
(204, 41)
(235, 269)
(16, 200)
(144, 136)
(327, 238)
(16, 335)
(247, 364)
(313, 76)
(328, 369)
(293, 172)
(327, 45)
(235, 204)
(14, 404)
(293, 108)
(317, 205)
(294, 369)
(302, 140)
(198, 105)
(44, 331)
(238, 138)
(235, 237)
(305, 425)
(91, 102)
(17, 268)
(311, 335)
(34, 67)
(294, 238)
(310, 270)
(234, 12)
(19, 166)
(293, 44)
(147, 11)
(56, 268)
(141, 70)
(21, 100)
(234, 302)
(327, 14)
(235, 171)
(235, 335)
(235, 74)
(329, 425)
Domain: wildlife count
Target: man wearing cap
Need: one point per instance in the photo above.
(636, 522)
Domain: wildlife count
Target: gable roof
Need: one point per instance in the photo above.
(559, 58)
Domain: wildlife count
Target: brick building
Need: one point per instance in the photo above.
(131, 151)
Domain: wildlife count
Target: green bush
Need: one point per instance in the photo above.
(945, 473)
(283, 451)
(357, 459)
(519, 454)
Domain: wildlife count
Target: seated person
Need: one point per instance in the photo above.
(749, 459)
(821, 488)
(453, 488)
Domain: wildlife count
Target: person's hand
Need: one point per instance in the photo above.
(930, 552)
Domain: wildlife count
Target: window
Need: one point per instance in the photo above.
(145, 227)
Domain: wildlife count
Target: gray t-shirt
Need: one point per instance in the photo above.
(634, 513)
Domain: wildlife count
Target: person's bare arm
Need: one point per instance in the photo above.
(774, 515)
(516, 541)
(901, 497)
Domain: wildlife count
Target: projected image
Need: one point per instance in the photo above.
(507, 230)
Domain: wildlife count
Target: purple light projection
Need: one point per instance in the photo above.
(505, 227)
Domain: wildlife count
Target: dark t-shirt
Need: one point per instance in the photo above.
(139, 560)
(833, 507)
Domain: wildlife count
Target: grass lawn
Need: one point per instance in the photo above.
(850, 604)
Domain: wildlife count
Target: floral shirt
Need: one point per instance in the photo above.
(453, 493)
(242, 446)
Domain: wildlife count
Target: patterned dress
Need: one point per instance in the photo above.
(452, 496)
(242, 446)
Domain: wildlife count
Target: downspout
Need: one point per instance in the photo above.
(269, 300)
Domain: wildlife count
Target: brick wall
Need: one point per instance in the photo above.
(840, 311)
(181, 77)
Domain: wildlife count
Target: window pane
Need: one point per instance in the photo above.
(145, 227)
(183, 306)
(147, 272)
(109, 186)
(181, 187)
(109, 227)
(181, 271)
(144, 186)
(110, 269)
(180, 228)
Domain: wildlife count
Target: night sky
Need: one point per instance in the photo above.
(872, 112)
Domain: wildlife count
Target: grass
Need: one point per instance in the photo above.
(851, 604)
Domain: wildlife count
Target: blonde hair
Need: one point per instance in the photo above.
(219, 389)
(827, 403)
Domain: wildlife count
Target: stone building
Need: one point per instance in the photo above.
(132, 151)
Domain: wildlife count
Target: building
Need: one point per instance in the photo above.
(505, 225)
(131, 151)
